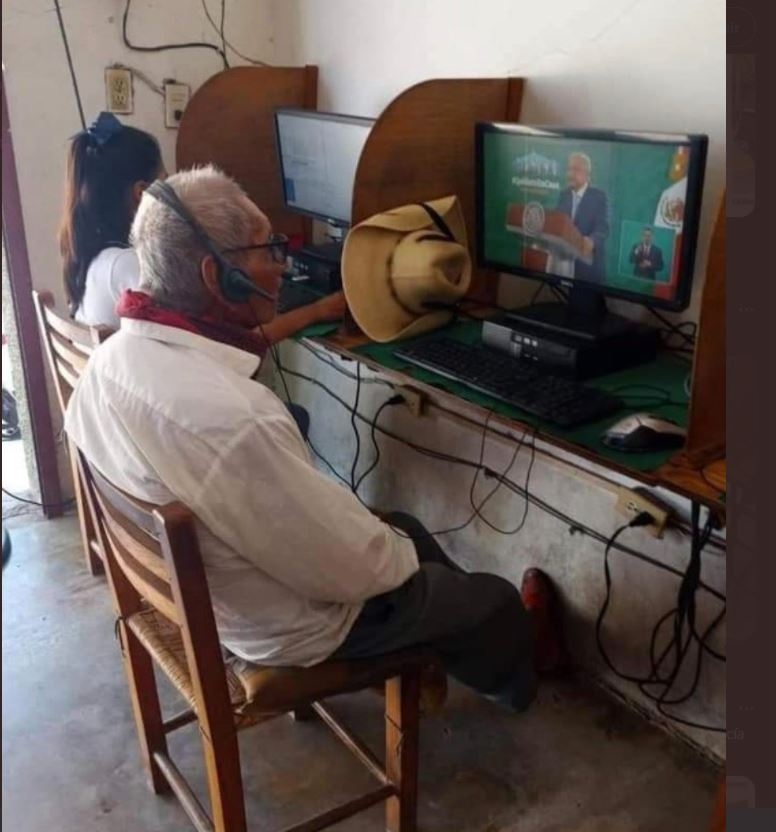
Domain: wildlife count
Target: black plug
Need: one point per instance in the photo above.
(643, 518)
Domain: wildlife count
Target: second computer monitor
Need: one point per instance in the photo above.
(319, 153)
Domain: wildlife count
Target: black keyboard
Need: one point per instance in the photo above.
(561, 401)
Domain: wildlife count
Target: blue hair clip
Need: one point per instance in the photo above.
(104, 128)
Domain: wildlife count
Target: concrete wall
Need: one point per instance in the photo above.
(605, 63)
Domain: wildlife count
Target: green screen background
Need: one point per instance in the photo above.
(633, 176)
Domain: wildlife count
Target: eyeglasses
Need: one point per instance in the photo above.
(277, 246)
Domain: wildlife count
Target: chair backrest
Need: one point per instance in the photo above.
(152, 557)
(68, 344)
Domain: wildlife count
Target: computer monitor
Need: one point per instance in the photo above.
(601, 213)
(319, 153)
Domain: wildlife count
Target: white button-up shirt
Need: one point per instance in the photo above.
(290, 555)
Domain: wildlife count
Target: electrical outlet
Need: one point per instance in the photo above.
(176, 97)
(414, 399)
(632, 501)
(118, 90)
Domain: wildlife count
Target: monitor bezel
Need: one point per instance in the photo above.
(316, 115)
(698, 144)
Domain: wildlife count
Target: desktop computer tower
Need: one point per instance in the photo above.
(572, 355)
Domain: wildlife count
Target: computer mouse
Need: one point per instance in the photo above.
(644, 432)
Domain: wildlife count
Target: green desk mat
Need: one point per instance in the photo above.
(317, 330)
(634, 386)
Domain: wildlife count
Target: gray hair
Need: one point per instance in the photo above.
(169, 251)
(585, 160)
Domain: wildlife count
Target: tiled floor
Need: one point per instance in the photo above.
(576, 762)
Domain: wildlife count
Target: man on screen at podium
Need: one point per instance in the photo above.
(588, 208)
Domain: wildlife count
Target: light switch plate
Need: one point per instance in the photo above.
(176, 97)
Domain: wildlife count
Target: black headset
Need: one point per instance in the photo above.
(235, 285)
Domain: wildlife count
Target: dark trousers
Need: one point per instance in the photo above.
(475, 622)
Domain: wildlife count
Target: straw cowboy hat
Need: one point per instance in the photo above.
(401, 266)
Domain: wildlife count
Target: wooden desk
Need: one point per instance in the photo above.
(672, 472)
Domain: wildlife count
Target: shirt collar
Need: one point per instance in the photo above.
(581, 192)
(239, 361)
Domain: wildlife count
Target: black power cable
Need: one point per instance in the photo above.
(224, 42)
(356, 434)
(221, 30)
(64, 505)
(683, 614)
(70, 64)
(574, 525)
(163, 47)
(682, 618)
(394, 400)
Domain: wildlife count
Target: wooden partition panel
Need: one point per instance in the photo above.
(706, 429)
(229, 122)
(422, 147)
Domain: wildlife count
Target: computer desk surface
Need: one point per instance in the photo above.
(638, 386)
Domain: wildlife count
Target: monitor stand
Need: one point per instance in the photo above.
(584, 316)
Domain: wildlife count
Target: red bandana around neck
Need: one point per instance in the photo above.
(142, 307)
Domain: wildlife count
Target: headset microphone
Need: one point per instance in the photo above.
(234, 283)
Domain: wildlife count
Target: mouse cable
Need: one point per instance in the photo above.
(574, 525)
(163, 47)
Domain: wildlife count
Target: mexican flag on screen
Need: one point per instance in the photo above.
(670, 213)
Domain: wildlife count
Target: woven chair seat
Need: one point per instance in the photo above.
(259, 692)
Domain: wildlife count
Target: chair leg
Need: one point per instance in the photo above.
(402, 708)
(145, 705)
(85, 520)
(224, 778)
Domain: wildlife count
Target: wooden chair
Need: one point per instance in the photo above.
(165, 615)
(68, 346)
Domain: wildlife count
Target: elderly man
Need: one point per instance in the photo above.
(298, 569)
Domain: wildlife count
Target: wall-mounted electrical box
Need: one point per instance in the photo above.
(176, 97)
(118, 90)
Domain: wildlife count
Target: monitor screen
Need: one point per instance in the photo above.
(615, 211)
(319, 153)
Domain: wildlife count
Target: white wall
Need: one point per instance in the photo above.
(655, 64)
(41, 101)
